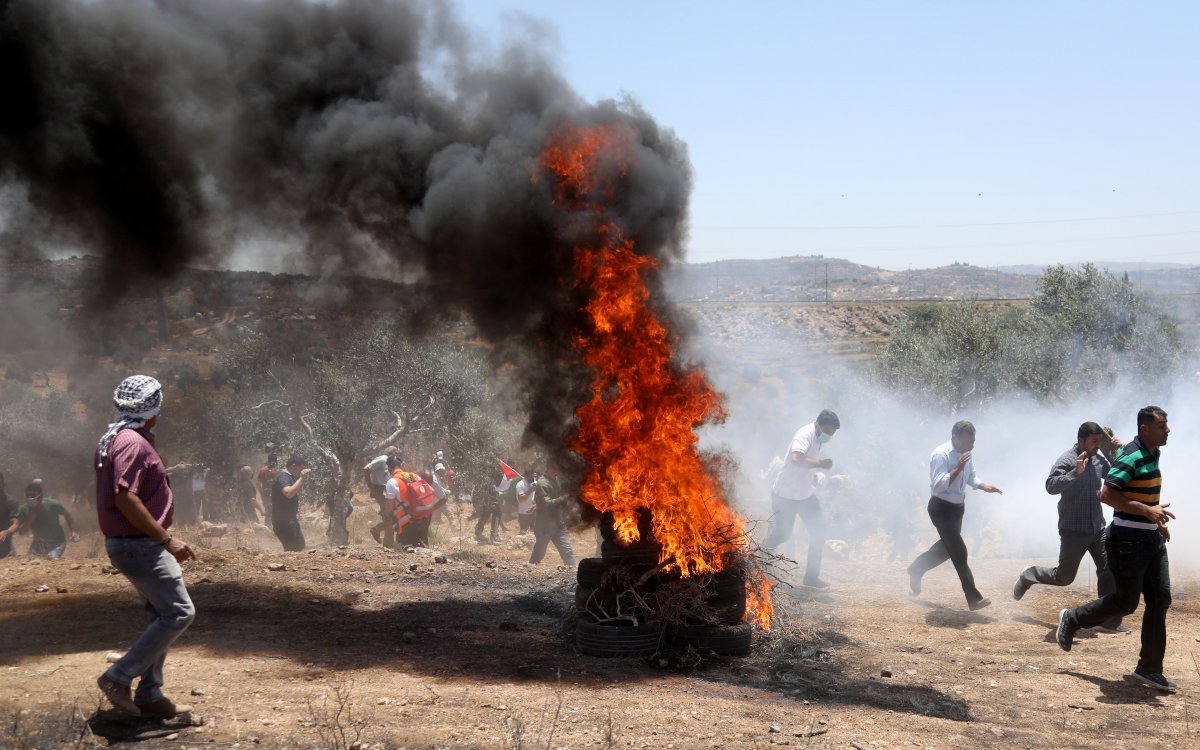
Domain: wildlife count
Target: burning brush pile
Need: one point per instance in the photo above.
(675, 568)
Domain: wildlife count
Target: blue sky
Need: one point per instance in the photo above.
(908, 134)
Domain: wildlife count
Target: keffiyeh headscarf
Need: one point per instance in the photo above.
(138, 398)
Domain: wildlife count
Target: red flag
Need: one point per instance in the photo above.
(509, 472)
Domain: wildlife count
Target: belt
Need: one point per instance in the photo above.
(1135, 524)
(130, 536)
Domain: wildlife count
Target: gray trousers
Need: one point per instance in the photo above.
(158, 579)
(547, 531)
(1071, 549)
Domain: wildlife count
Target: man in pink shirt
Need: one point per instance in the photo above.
(133, 500)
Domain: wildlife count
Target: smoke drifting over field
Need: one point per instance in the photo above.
(883, 451)
(361, 135)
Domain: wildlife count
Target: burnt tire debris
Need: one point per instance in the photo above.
(629, 606)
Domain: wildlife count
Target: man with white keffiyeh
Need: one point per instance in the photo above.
(134, 503)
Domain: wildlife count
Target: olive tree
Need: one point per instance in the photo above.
(1081, 330)
(343, 403)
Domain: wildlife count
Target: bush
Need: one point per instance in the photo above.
(1082, 329)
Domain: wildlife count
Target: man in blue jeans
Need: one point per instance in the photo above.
(134, 504)
(1136, 550)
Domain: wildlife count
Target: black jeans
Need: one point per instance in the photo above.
(288, 532)
(783, 520)
(947, 518)
(1139, 569)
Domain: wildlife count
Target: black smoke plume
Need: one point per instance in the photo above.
(162, 135)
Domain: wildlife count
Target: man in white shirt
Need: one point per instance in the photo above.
(376, 475)
(526, 506)
(793, 493)
(951, 471)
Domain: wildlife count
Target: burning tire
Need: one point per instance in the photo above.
(640, 552)
(603, 604)
(623, 638)
(645, 526)
(729, 610)
(723, 640)
(598, 573)
(727, 584)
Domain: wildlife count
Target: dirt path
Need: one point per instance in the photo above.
(469, 653)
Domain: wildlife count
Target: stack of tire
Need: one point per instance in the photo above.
(617, 602)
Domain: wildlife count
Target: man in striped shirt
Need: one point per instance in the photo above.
(1136, 550)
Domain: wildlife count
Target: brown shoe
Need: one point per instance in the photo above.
(120, 696)
(162, 708)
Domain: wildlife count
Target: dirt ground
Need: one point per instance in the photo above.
(396, 650)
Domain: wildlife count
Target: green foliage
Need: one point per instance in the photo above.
(1083, 329)
(340, 404)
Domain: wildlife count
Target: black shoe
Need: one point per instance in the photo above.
(977, 605)
(914, 581)
(1154, 680)
(1066, 631)
(1021, 586)
(816, 583)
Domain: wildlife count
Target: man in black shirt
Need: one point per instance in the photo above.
(285, 504)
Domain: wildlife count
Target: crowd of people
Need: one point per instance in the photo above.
(136, 511)
(1129, 553)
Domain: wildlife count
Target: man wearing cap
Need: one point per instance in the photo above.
(134, 505)
(285, 504)
(376, 474)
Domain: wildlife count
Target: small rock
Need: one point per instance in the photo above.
(172, 736)
(110, 570)
(997, 731)
(441, 559)
(76, 566)
(490, 564)
(42, 589)
(112, 657)
(413, 567)
(276, 567)
(197, 691)
(885, 672)
(61, 589)
(774, 729)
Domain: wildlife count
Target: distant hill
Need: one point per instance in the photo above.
(1115, 268)
(815, 278)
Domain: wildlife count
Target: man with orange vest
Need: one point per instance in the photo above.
(413, 500)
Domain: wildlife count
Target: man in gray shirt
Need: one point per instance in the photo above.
(1076, 478)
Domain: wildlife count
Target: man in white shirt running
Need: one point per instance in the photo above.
(951, 471)
(793, 493)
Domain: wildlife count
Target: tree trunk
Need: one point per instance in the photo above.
(337, 505)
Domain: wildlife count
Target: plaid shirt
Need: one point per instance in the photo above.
(1079, 507)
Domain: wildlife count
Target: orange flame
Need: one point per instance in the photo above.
(637, 432)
